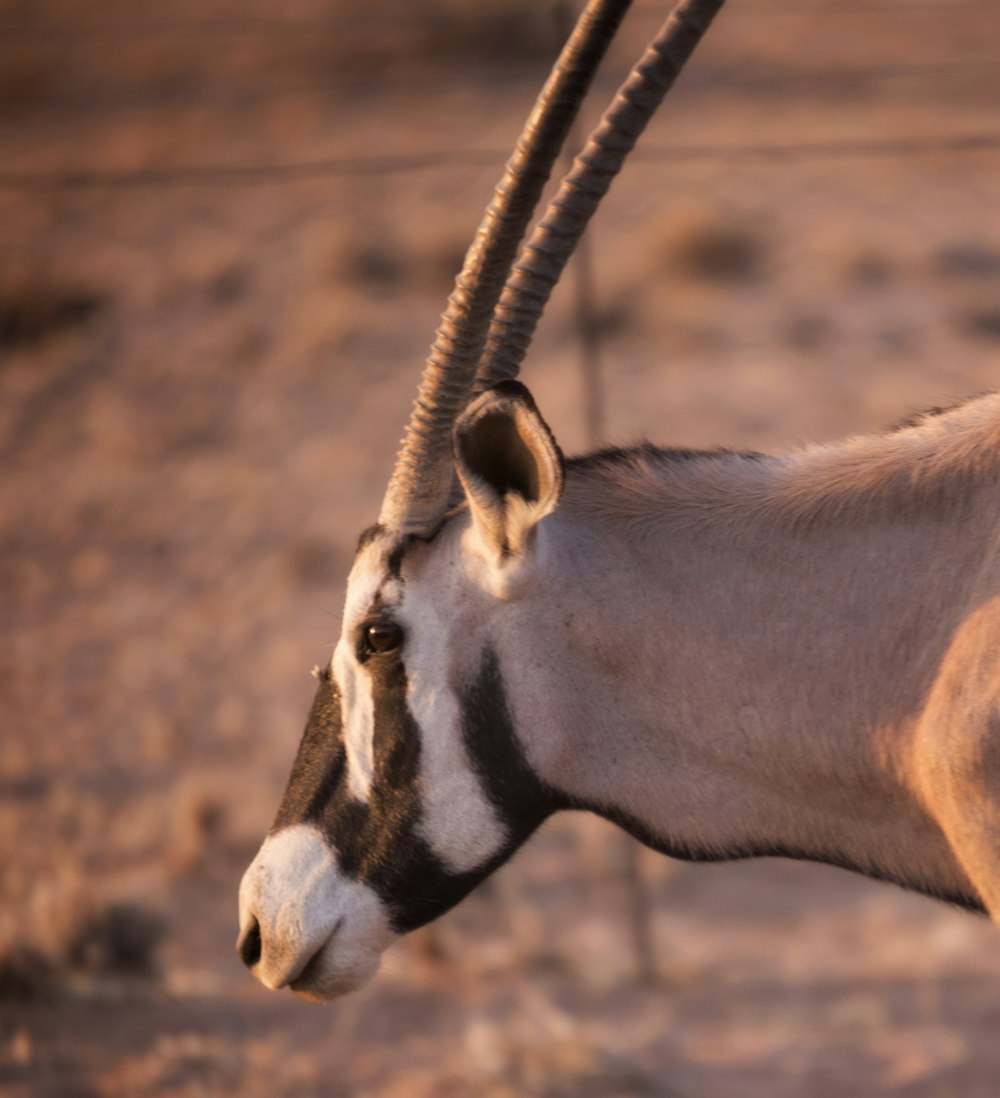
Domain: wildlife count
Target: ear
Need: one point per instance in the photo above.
(510, 467)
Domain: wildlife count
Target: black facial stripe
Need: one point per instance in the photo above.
(521, 799)
(397, 861)
(405, 871)
(319, 765)
(395, 559)
(379, 842)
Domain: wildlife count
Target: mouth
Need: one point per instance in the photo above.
(311, 974)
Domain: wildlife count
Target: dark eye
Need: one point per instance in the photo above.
(383, 636)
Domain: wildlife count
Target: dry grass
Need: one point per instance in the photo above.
(706, 248)
(121, 939)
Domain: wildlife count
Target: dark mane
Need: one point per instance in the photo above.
(917, 419)
(647, 452)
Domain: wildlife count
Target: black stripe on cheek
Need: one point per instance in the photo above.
(391, 855)
(380, 842)
(521, 799)
(400, 865)
(319, 763)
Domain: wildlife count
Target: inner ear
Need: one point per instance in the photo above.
(510, 467)
(498, 452)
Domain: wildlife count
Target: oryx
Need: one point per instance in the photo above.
(727, 654)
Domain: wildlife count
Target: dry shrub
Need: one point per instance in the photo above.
(383, 268)
(971, 260)
(35, 312)
(118, 940)
(871, 270)
(229, 286)
(808, 331)
(59, 931)
(200, 823)
(711, 250)
(490, 34)
(376, 266)
(981, 323)
(27, 974)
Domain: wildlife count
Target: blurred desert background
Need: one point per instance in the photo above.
(226, 232)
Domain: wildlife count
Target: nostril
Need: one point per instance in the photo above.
(248, 946)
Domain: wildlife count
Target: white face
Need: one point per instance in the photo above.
(391, 814)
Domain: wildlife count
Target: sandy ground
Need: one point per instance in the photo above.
(202, 382)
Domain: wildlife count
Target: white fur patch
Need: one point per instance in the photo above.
(358, 720)
(366, 579)
(457, 821)
(311, 915)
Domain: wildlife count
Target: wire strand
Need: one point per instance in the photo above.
(222, 175)
(723, 78)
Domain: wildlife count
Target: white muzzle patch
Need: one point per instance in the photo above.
(321, 933)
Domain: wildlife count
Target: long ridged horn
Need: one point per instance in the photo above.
(551, 244)
(418, 489)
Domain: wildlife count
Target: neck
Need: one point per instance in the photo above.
(743, 685)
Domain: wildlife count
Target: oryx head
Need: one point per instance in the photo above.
(412, 782)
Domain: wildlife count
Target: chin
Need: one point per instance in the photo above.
(325, 980)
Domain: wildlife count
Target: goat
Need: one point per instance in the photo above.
(727, 654)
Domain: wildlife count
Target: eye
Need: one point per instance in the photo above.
(383, 636)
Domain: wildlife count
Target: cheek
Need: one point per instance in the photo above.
(458, 821)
